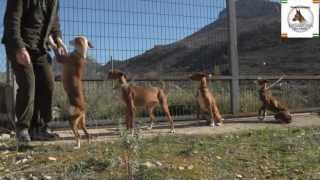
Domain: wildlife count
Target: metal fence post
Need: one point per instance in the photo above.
(234, 59)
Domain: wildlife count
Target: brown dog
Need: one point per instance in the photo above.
(269, 102)
(72, 73)
(206, 100)
(141, 97)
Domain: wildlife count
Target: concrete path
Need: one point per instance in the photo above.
(190, 128)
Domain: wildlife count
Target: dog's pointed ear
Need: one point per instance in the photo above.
(122, 74)
(125, 76)
(90, 44)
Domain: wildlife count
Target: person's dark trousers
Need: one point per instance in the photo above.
(35, 90)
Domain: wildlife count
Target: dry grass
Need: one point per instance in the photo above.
(260, 154)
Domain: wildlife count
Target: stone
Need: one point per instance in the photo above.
(158, 163)
(148, 164)
(4, 136)
(190, 167)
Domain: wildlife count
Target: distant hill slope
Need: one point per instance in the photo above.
(259, 43)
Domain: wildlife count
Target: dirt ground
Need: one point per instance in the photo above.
(189, 128)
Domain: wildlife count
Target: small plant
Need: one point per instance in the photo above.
(131, 143)
(78, 169)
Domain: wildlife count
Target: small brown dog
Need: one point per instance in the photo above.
(206, 100)
(269, 102)
(72, 72)
(141, 97)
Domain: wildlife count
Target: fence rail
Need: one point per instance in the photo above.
(241, 77)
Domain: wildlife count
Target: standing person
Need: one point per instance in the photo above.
(27, 27)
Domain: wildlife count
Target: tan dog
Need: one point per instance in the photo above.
(72, 73)
(206, 100)
(141, 97)
(272, 104)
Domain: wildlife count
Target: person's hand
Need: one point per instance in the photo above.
(61, 51)
(23, 57)
(61, 54)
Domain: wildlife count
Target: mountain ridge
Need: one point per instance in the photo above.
(261, 50)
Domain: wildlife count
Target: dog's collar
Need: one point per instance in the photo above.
(203, 87)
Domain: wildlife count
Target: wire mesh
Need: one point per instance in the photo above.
(148, 38)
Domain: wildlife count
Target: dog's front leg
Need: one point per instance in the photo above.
(84, 128)
(128, 118)
(262, 110)
(198, 111)
(211, 116)
(150, 109)
(132, 109)
(127, 97)
(216, 113)
(74, 126)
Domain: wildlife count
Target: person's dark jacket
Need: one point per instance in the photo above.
(28, 24)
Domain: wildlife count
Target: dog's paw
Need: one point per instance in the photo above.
(172, 131)
(77, 146)
(218, 124)
(150, 127)
(132, 133)
(212, 125)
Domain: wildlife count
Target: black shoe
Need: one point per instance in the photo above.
(47, 135)
(23, 136)
(42, 134)
(35, 134)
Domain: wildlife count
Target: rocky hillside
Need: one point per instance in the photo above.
(260, 48)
